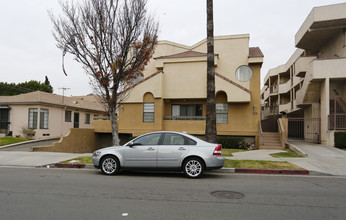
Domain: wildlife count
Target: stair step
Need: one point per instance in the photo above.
(265, 147)
(271, 141)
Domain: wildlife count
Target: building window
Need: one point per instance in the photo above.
(44, 116)
(148, 112)
(68, 116)
(87, 118)
(243, 73)
(187, 110)
(33, 113)
(222, 113)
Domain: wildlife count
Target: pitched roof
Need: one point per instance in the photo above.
(189, 53)
(38, 97)
(255, 52)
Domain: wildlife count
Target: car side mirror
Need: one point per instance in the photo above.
(131, 144)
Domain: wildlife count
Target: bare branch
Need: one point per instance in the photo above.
(112, 39)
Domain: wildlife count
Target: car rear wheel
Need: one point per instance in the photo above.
(110, 165)
(193, 167)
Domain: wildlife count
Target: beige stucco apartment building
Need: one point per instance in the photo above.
(172, 94)
(48, 114)
(310, 89)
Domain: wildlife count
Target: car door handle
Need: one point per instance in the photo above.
(150, 148)
(181, 148)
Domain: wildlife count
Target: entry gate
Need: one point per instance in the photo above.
(305, 129)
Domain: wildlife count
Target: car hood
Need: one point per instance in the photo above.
(111, 148)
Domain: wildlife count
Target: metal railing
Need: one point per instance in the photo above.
(308, 129)
(185, 118)
(274, 89)
(271, 110)
(337, 117)
(337, 122)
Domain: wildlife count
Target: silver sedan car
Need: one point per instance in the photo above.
(172, 151)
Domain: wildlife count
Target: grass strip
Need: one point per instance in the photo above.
(226, 152)
(289, 154)
(10, 140)
(260, 164)
(250, 164)
(81, 160)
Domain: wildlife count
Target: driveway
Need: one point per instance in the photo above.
(320, 158)
(19, 154)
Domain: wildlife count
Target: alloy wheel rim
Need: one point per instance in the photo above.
(109, 165)
(193, 168)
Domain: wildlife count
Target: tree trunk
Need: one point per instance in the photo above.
(210, 130)
(114, 124)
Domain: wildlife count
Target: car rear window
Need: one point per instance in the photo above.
(190, 141)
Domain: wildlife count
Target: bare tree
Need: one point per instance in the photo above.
(210, 130)
(113, 40)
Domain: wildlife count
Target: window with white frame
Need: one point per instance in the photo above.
(32, 118)
(44, 116)
(148, 112)
(222, 113)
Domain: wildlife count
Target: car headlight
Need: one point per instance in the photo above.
(96, 153)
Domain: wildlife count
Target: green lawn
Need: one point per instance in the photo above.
(286, 154)
(260, 164)
(226, 152)
(10, 140)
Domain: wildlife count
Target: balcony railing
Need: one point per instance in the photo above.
(274, 89)
(271, 110)
(185, 118)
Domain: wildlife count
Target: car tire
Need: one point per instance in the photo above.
(193, 167)
(110, 165)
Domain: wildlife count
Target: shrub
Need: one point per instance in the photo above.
(340, 139)
(232, 142)
(28, 133)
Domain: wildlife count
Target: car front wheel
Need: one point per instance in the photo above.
(193, 167)
(110, 165)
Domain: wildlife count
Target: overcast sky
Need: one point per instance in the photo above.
(28, 50)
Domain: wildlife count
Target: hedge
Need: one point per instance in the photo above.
(340, 139)
(232, 142)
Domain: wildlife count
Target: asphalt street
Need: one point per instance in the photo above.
(41, 193)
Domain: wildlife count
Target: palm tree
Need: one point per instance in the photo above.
(210, 130)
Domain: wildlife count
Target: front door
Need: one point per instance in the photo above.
(76, 120)
(4, 120)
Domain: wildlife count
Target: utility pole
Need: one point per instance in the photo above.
(63, 93)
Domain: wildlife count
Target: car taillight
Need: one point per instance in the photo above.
(218, 150)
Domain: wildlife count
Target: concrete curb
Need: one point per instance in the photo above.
(222, 170)
(273, 171)
(297, 150)
(69, 165)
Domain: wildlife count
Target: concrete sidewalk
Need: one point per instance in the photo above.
(34, 159)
